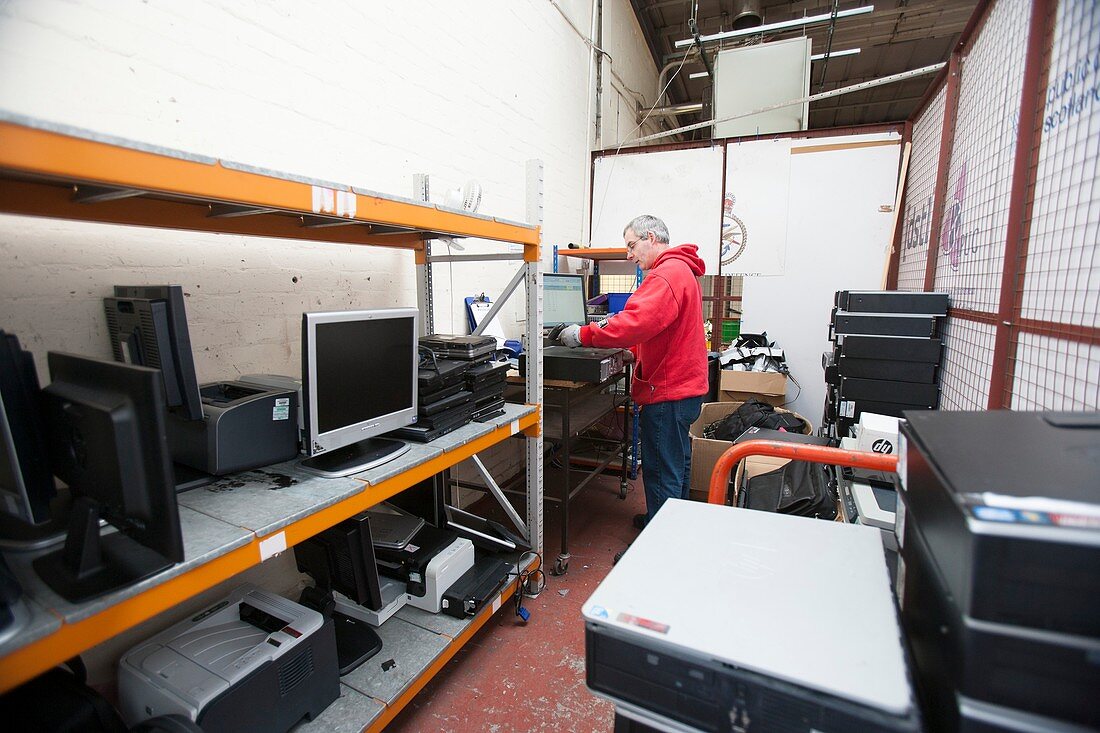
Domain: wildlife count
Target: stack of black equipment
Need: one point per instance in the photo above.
(885, 357)
(999, 585)
(485, 382)
(445, 401)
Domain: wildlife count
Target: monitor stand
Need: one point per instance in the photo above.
(90, 565)
(356, 641)
(355, 458)
(17, 535)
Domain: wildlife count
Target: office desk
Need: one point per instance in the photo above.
(570, 408)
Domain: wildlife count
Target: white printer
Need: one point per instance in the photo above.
(252, 662)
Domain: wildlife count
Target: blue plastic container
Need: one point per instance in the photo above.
(616, 301)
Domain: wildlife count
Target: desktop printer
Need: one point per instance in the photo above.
(243, 426)
(429, 565)
(252, 662)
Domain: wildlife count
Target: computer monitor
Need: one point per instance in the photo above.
(359, 371)
(563, 299)
(341, 560)
(26, 483)
(107, 441)
(147, 326)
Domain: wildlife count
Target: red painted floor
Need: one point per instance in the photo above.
(530, 677)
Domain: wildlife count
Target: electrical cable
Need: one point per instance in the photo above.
(524, 581)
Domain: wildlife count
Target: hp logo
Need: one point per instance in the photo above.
(882, 445)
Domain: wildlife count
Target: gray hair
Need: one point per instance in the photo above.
(644, 224)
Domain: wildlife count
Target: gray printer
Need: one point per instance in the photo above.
(254, 661)
(243, 426)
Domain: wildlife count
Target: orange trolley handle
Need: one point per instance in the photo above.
(720, 477)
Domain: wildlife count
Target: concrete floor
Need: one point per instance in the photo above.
(530, 677)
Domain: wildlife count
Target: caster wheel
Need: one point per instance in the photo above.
(622, 490)
(561, 566)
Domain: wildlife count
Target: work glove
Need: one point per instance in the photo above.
(567, 334)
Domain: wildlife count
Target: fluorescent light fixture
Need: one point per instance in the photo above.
(797, 22)
(835, 54)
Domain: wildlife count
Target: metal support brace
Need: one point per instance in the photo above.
(495, 490)
(508, 290)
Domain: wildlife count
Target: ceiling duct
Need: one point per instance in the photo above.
(747, 14)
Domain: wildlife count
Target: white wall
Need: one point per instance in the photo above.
(359, 93)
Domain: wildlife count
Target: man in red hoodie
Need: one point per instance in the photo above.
(662, 324)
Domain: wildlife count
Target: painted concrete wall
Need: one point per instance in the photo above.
(366, 94)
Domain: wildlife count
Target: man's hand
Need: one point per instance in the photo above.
(567, 334)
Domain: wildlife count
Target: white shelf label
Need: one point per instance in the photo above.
(515, 427)
(272, 546)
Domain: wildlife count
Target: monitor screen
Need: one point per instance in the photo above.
(147, 326)
(563, 299)
(359, 372)
(108, 442)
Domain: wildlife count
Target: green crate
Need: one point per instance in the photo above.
(730, 331)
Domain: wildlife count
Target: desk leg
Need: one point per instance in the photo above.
(626, 416)
(561, 566)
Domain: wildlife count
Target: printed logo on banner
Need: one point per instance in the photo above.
(734, 234)
(917, 228)
(953, 240)
(1072, 91)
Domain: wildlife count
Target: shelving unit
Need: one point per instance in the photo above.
(53, 171)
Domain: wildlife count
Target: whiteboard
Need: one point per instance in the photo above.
(681, 187)
(841, 200)
(754, 212)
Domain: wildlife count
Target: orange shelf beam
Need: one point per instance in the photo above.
(63, 161)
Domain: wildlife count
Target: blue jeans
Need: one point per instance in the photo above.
(666, 450)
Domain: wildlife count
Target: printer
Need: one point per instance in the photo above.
(429, 565)
(254, 661)
(243, 426)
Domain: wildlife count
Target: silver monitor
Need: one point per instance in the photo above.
(359, 373)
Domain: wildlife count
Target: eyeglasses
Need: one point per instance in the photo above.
(630, 245)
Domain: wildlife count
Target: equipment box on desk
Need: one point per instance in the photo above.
(738, 386)
(706, 452)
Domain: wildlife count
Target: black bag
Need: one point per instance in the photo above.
(799, 487)
(752, 414)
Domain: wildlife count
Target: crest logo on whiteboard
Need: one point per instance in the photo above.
(734, 233)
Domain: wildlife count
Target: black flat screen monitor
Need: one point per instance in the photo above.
(147, 326)
(107, 441)
(359, 380)
(26, 483)
(563, 300)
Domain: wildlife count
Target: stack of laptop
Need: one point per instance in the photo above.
(445, 402)
(485, 383)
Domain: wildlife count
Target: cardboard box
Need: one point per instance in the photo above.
(735, 386)
(706, 452)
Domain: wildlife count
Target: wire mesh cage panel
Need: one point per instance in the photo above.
(979, 179)
(920, 191)
(967, 365)
(1056, 374)
(1062, 272)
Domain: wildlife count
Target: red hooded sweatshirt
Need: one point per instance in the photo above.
(663, 319)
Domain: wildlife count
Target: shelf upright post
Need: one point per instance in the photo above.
(425, 299)
(533, 346)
